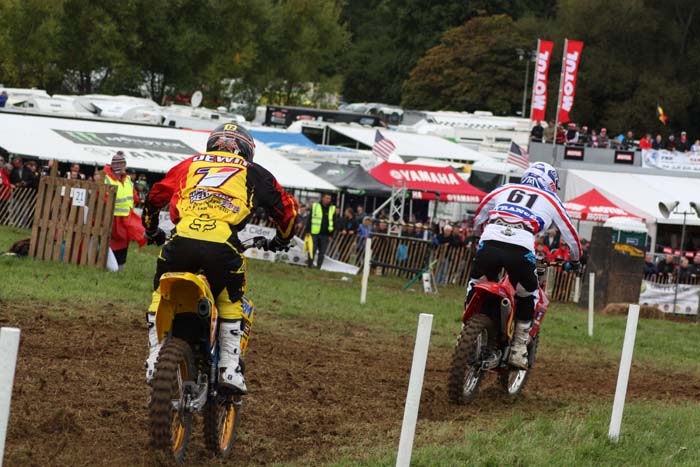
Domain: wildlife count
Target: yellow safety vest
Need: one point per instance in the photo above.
(317, 218)
(125, 195)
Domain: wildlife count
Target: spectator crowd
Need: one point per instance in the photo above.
(668, 270)
(573, 134)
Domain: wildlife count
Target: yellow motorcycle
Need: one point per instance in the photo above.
(185, 379)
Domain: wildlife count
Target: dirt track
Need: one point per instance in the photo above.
(80, 398)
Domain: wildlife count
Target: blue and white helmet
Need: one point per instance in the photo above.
(541, 175)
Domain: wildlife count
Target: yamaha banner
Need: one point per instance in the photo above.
(538, 106)
(569, 70)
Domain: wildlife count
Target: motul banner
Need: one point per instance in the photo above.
(569, 70)
(539, 86)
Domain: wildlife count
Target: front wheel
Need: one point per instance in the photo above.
(171, 422)
(465, 372)
(513, 380)
(221, 420)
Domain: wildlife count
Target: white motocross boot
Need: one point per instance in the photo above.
(230, 373)
(153, 347)
(518, 348)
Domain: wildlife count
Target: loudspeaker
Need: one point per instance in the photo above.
(695, 207)
(667, 207)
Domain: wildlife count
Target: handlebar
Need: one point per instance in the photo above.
(254, 242)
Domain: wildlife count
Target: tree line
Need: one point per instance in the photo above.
(428, 54)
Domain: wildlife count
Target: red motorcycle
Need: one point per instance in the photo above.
(485, 341)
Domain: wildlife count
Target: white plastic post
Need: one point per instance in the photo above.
(9, 344)
(577, 289)
(591, 299)
(365, 270)
(624, 373)
(415, 385)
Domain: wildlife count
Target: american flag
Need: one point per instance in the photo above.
(518, 156)
(383, 147)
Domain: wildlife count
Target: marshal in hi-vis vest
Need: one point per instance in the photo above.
(317, 218)
(125, 195)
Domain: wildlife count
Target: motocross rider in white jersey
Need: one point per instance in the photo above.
(511, 216)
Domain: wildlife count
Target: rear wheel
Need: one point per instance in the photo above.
(221, 420)
(171, 423)
(513, 380)
(465, 372)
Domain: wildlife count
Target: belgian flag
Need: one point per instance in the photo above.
(660, 114)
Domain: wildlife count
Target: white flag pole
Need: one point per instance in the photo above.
(624, 373)
(415, 385)
(9, 345)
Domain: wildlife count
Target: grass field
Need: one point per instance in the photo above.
(661, 423)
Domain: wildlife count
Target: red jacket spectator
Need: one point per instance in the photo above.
(5, 185)
(561, 254)
(645, 142)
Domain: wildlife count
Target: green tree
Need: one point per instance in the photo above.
(303, 45)
(29, 31)
(474, 67)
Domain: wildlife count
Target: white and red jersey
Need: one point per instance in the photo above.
(515, 213)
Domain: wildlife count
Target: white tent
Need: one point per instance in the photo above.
(411, 145)
(638, 193)
(147, 147)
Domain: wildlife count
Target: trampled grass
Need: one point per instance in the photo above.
(654, 433)
(294, 293)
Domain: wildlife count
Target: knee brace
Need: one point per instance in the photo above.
(525, 303)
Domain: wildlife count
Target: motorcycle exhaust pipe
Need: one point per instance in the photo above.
(505, 305)
(204, 308)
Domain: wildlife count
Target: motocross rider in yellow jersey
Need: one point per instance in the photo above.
(211, 197)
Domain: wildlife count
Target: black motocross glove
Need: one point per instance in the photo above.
(156, 236)
(575, 266)
(276, 244)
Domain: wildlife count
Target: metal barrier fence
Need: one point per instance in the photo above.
(17, 206)
(691, 279)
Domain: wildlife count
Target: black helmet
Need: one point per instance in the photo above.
(233, 138)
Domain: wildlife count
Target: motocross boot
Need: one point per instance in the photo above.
(153, 347)
(518, 348)
(230, 371)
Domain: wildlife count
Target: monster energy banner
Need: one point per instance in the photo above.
(661, 296)
(117, 140)
(671, 160)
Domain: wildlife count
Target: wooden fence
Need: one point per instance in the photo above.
(17, 206)
(72, 221)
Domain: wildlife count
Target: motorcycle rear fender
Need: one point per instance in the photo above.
(180, 292)
(502, 289)
(248, 312)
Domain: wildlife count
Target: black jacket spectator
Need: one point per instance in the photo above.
(666, 266)
(537, 132)
(658, 143)
(21, 176)
(671, 143)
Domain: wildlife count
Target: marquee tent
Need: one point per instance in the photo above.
(428, 181)
(147, 147)
(352, 178)
(411, 146)
(638, 194)
(593, 206)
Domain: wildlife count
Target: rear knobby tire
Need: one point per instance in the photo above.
(170, 428)
(465, 373)
(221, 420)
(513, 381)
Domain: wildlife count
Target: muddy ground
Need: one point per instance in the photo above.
(317, 391)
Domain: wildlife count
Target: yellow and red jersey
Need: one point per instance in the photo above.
(212, 191)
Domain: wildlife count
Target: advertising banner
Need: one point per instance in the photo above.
(671, 160)
(538, 106)
(661, 297)
(569, 71)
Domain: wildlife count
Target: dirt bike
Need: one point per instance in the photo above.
(185, 379)
(484, 344)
